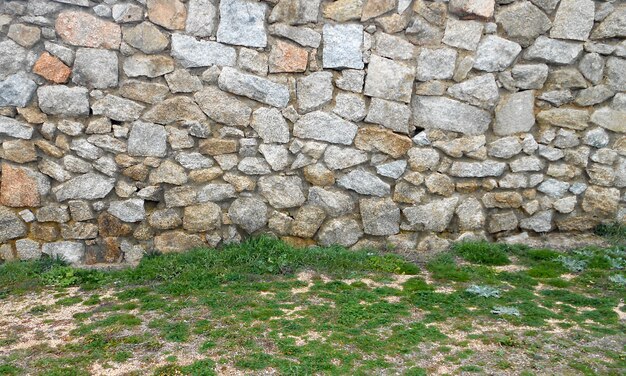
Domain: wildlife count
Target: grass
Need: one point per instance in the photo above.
(263, 305)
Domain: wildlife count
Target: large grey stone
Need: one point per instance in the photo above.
(449, 115)
(393, 47)
(131, 210)
(610, 119)
(434, 216)
(529, 76)
(553, 51)
(63, 100)
(146, 37)
(392, 115)
(523, 22)
(612, 26)
(436, 64)
(481, 91)
(340, 231)
(117, 108)
(616, 79)
(12, 58)
(326, 127)
(249, 213)
(223, 107)
(253, 87)
(147, 140)
(592, 67)
(338, 158)
(380, 216)
(192, 53)
(14, 128)
(335, 203)
(495, 54)
(350, 106)
(470, 214)
(553, 187)
(148, 65)
(216, 192)
(68, 251)
(95, 68)
(295, 12)
(388, 79)
(364, 183)
(11, 226)
(314, 91)
(90, 186)
(282, 191)
(342, 46)
(270, 125)
(254, 166)
(564, 117)
(463, 34)
(573, 20)
(540, 222)
(515, 113)
(242, 23)
(477, 169)
(302, 35)
(202, 218)
(201, 18)
(17, 90)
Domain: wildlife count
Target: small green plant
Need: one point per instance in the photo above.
(614, 232)
(506, 311)
(483, 253)
(572, 264)
(484, 291)
(61, 276)
(619, 279)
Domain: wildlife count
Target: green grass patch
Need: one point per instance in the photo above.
(483, 253)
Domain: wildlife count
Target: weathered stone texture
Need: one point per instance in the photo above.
(128, 127)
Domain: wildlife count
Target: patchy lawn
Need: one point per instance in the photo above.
(263, 307)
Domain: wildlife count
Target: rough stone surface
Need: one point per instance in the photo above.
(147, 140)
(523, 22)
(63, 100)
(573, 20)
(495, 54)
(413, 123)
(242, 23)
(434, 216)
(82, 29)
(69, 251)
(344, 232)
(388, 79)
(314, 91)
(171, 14)
(364, 183)
(449, 115)
(249, 213)
(192, 53)
(282, 191)
(326, 127)
(253, 87)
(553, 51)
(52, 69)
(342, 46)
(146, 37)
(16, 90)
(90, 186)
(515, 114)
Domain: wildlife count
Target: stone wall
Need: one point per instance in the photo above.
(134, 126)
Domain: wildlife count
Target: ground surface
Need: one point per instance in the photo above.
(265, 308)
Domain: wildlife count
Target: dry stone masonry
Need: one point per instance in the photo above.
(134, 126)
